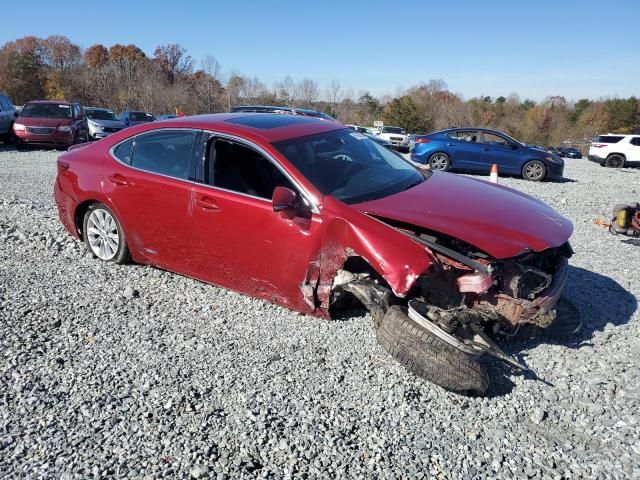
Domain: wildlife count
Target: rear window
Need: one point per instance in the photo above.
(140, 117)
(609, 139)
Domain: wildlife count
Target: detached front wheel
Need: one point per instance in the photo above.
(429, 357)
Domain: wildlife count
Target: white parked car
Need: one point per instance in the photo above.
(614, 150)
(397, 136)
(358, 128)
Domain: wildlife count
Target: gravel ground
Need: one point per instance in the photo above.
(111, 371)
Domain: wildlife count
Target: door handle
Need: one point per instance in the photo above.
(451, 144)
(118, 179)
(207, 203)
(486, 149)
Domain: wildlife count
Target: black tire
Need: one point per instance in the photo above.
(614, 160)
(439, 161)
(534, 170)
(429, 357)
(122, 254)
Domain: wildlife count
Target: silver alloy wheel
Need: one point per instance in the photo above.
(534, 171)
(102, 233)
(439, 162)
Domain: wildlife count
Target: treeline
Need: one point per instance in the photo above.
(123, 77)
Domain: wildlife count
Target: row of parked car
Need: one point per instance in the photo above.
(477, 149)
(61, 124)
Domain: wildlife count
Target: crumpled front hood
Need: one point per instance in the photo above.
(498, 220)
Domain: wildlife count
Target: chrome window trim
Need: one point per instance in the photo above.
(307, 196)
(112, 149)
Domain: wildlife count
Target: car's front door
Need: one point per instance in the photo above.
(239, 241)
(150, 187)
(501, 151)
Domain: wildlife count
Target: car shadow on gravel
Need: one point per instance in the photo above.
(599, 301)
(484, 176)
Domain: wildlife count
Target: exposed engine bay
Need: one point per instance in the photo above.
(467, 295)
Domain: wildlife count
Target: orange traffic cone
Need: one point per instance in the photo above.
(493, 176)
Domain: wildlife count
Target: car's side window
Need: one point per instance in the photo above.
(236, 167)
(466, 136)
(493, 139)
(166, 152)
(123, 151)
(635, 141)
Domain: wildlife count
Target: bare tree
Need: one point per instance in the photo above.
(173, 60)
(286, 91)
(308, 91)
(333, 93)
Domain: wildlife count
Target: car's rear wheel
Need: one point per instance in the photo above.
(439, 161)
(534, 170)
(429, 357)
(614, 161)
(103, 235)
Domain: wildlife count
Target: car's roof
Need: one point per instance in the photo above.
(56, 102)
(98, 108)
(269, 127)
(464, 129)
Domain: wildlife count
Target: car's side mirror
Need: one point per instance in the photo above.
(283, 199)
(15, 113)
(514, 146)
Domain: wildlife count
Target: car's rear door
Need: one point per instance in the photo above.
(634, 150)
(148, 180)
(239, 241)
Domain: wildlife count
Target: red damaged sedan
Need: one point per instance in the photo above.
(313, 216)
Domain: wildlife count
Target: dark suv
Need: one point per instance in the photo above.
(7, 117)
(50, 123)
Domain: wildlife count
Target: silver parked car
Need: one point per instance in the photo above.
(102, 122)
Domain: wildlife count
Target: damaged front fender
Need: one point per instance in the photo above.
(397, 259)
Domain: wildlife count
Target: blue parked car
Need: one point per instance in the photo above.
(476, 149)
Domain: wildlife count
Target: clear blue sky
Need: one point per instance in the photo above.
(535, 48)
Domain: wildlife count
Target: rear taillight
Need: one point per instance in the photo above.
(599, 145)
(62, 166)
(423, 140)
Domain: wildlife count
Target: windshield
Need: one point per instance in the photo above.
(100, 114)
(396, 130)
(140, 117)
(48, 110)
(349, 166)
(513, 140)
